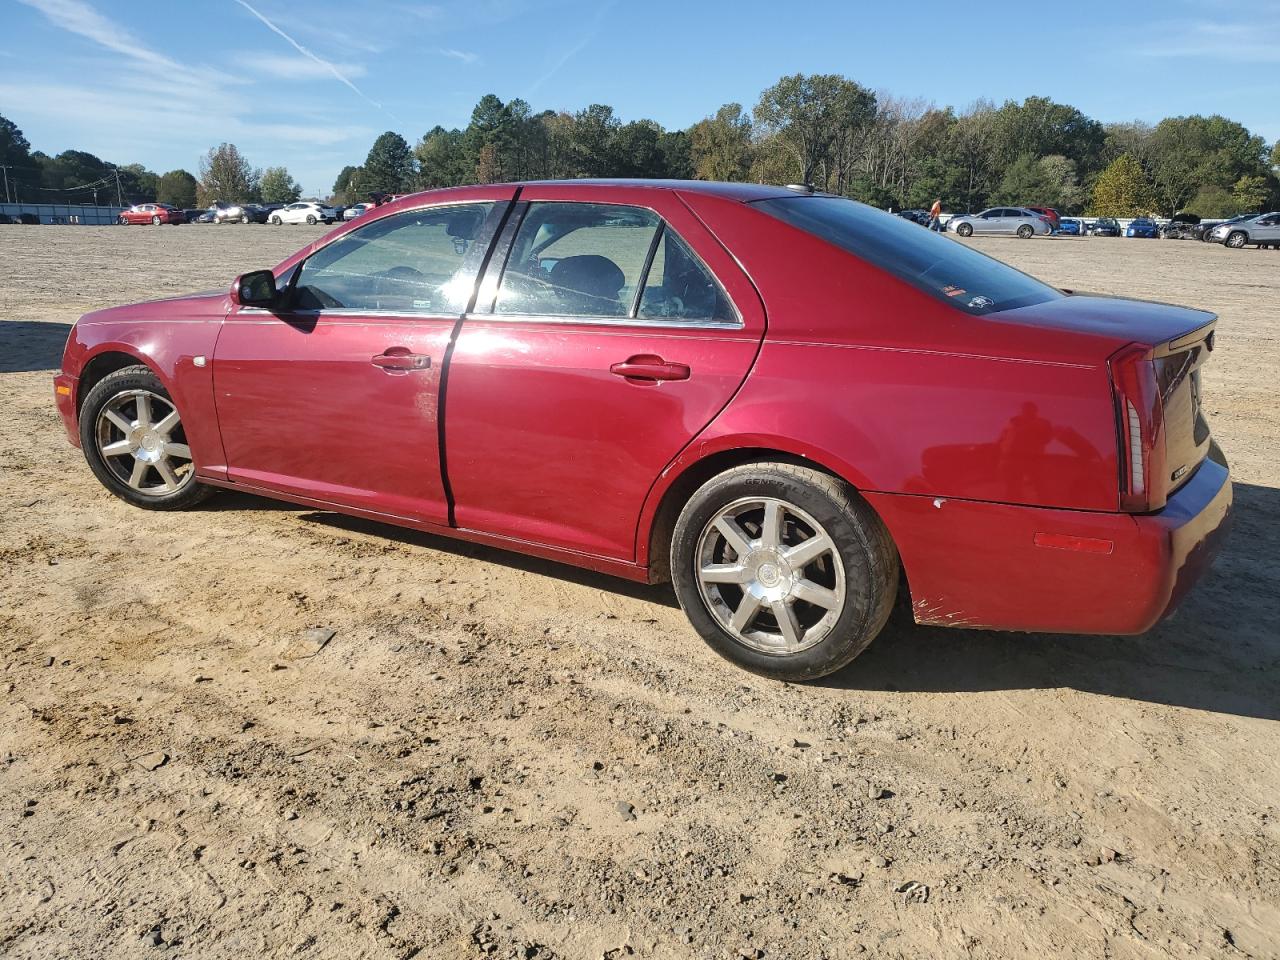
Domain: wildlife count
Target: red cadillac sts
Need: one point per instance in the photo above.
(153, 213)
(790, 404)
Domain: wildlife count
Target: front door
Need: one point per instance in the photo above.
(606, 335)
(334, 395)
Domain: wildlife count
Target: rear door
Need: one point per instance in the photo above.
(1266, 228)
(334, 396)
(610, 328)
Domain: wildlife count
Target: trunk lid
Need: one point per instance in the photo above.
(1156, 354)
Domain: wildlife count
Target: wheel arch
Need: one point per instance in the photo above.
(688, 473)
(106, 362)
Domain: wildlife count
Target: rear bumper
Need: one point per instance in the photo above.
(65, 387)
(978, 564)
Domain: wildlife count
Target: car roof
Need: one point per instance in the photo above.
(745, 192)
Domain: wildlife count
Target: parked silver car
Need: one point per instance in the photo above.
(1261, 231)
(1014, 221)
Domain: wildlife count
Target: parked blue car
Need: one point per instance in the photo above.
(1142, 227)
(1072, 228)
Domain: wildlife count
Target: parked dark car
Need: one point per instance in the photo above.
(1070, 227)
(5, 218)
(193, 216)
(915, 216)
(1182, 226)
(30, 219)
(775, 398)
(1105, 227)
(1142, 227)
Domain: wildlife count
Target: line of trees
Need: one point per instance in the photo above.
(75, 176)
(829, 130)
(823, 129)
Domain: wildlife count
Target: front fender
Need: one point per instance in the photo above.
(179, 352)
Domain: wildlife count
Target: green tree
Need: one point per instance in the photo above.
(720, 145)
(178, 188)
(389, 167)
(810, 113)
(636, 150)
(226, 176)
(277, 186)
(592, 141)
(15, 152)
(346, 186)
(1213, 203)
(441, 160)
(677, 154)
(1250, 193)
(1039, 127)
(1188, 153)
(1122, 190)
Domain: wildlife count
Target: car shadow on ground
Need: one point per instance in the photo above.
(656, 593)
(1219, 652)
(27, 346)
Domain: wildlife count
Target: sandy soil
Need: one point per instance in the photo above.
(495, 756)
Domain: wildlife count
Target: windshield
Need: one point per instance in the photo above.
(932, 262)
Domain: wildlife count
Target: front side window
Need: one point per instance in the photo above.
(934, 263)
(406, 262)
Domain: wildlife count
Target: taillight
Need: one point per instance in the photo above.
(1140, 422)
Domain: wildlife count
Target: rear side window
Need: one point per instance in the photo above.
(932, 262)
(604, 261)
(398, 264)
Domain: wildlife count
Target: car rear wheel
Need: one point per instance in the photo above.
(1237, 239)
(965, 229)
(783, 570)
(1025, 231)
(135, 443)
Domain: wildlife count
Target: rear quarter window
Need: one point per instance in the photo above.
(941, 267)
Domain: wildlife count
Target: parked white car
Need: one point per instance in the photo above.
(355, 210)
(306, 211)
(1018, 221)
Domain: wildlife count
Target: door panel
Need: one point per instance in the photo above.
(546, 443)
(336, 396)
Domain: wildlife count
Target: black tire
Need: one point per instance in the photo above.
(155, 221)
(1236, 239)
(122, 220)
(1026, 232)
(965, 229)
(275, 220)
(867, 553)
(311, 220)
(109, 387)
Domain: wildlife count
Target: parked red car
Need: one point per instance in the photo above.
(779, 400)
(1050, 214)
(154, 213)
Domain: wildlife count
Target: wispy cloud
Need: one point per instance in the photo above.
(297, 68)
(464, 55)
(1256, 41)
(328, 66)
(592, 31)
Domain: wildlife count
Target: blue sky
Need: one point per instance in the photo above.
(310, 83)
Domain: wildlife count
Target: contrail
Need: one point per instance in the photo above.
(338, 74)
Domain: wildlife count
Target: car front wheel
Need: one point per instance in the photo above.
(311, 220)
(965, 229)
(1237, 239)
(783, 570)
(275, 220)
(135, 443)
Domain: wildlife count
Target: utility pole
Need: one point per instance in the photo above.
(6, 183)
(119, 199)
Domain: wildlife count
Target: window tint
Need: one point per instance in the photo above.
(577, 260)
(401, 263)
(930, 261)
(679, 287)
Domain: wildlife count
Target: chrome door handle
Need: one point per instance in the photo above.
(401, 360)
(650, 368)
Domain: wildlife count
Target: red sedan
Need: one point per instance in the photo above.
(780, 400)
(153, 213)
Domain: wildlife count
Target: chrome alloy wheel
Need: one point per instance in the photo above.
(140, 438)
(770, 575)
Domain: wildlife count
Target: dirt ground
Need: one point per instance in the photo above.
(499, 757)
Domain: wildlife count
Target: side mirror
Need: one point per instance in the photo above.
(255, 289)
